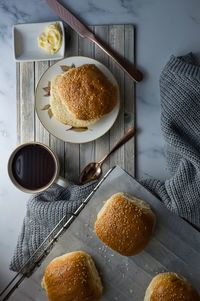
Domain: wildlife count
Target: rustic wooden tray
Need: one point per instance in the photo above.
(74, 157)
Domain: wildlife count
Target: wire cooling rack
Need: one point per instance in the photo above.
(44, 249)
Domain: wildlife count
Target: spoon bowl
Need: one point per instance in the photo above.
(91, 172)
(94, 169)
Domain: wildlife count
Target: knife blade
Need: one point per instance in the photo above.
(85, 32)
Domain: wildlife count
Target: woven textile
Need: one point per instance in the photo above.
(180, 125)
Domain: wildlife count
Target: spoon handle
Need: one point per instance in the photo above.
(127, 136)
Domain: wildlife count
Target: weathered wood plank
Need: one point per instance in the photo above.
(129, 101)
(116, 41)
(26, 105)
(87, 150)
(102, 144)
(18, 103)
(58, 146)
(72, 151)
(41, 134)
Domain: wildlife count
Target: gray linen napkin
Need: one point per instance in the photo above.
(180, 122)
(180, 125)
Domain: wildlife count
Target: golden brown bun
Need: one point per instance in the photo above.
(170, 287)
(60, 111)
(86, 92)
(125, 224)
(72, 277)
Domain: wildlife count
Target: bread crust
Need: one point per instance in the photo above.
(170, 287)
(86, 92)
(60, 111)
(125, 224)
(72, 277)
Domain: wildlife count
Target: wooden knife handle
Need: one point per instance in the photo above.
(129, 68)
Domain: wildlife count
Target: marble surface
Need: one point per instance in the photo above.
(163, 28)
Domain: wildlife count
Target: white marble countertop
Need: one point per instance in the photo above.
(163, 28)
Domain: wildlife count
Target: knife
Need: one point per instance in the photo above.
(85, 32)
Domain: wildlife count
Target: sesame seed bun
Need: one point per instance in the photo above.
(125, 224)
(170, 287)
(60, 111)
(82, 95)
(72, 276)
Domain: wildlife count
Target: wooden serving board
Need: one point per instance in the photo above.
(74, 157)
(174, 246)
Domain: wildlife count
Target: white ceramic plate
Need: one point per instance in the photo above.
(65, 132)
(26, 45)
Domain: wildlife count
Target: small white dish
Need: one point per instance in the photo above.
(25, 42)
(66, 132)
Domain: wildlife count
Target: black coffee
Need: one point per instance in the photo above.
(33, 166)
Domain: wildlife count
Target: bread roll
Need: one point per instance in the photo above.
(170, 287)
(71, 277)
(82, 95)
(125, 224)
